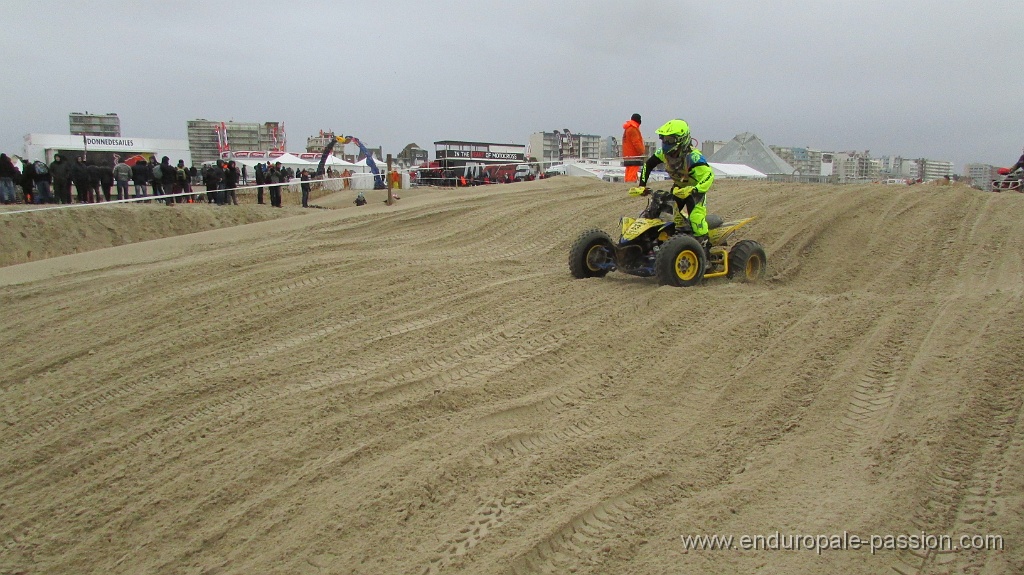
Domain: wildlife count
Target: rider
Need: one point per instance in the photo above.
(1017, 166)
(691, 175)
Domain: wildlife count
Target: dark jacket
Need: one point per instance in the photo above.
(231, 177)
(28, 176)
(106, 175)
(7, 169)
(60, 169)
(216, 175)
(80, 174)
(168, 173)
(140, 173)
(94, 174)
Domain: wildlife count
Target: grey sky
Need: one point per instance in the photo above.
(914, 78)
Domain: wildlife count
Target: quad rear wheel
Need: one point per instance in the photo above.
(747, 261)
(681, 262)
(592, 255)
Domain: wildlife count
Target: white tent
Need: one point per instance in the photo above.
(735, 171)
(381, 164)
(336, 162)
(291, 161)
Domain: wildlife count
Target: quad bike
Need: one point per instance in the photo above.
(651, 246)
(1008, 182)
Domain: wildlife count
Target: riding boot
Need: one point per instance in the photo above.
(706, 244)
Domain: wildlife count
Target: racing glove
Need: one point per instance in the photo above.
(682, 192)
(639, 191)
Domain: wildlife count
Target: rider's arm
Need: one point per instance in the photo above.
(648, 167)
(703, 175)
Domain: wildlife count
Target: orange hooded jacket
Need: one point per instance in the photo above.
(632, 144)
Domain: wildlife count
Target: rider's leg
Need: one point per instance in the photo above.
(696, 206)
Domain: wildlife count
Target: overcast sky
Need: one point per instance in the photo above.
(917, 78)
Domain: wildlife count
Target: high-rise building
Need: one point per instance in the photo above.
(936, 170)
(610, 147)
(851, 167)
(555, 147)
(104, 125)
(207, 138)
(980, 175)
(808, 165)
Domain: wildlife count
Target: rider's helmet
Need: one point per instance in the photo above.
(675, 135)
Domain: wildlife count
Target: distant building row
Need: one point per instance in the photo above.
(207, 140)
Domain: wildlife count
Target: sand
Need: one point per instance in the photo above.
(423, 388)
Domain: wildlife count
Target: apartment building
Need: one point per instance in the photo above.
(555, 147)
(853, 167)
(208, 138)
(980, 175)
(103, 125)
(808, 165)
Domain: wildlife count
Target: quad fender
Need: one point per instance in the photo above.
(634, 228)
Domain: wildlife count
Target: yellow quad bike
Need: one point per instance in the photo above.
(651, 246)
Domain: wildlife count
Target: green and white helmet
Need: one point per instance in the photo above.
(674, 134)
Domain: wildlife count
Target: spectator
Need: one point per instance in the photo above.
(80, 176)
(216, 184)
(122, 174)
(304, 178)
(42, 181)
(261, 180)
(28, 180)
(180, 187)
(276, 176)
(245, 176)
(167, 177)
(231, 177)
(156, 175)
(141, 176)
(8, 175)
(106, 173)
(60, 170)
(92, 195)
(209, 197)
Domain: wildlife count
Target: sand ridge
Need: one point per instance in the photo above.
(423, 388)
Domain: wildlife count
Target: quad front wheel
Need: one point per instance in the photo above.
(592, 255)
(681, 262)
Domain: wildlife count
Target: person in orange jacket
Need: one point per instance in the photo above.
(632, 147)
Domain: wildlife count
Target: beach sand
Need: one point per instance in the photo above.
(423, 388)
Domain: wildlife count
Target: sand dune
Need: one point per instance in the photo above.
(423, 388)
